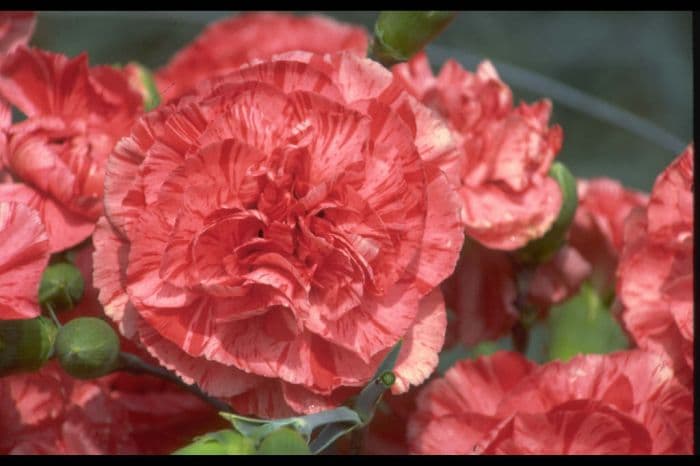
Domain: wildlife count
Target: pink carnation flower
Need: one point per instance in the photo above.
(628, 402)
(507, 197)
(227, 44)
(75, 115)
(655, 275)
(272, 236)
(23, 258)
(49, 412)
(483, 289)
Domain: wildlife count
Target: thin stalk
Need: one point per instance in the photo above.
(131, 363)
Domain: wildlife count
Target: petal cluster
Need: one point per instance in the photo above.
(624, 403)
(507, 197)
(227, 44)
(484, 288)
(57, 155)
(274, 234)
(655, 274)
(23, 257)
(48, 412)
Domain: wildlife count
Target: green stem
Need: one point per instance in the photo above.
(52, 314)
(131, 363)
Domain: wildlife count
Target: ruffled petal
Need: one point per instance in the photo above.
(418, 357)
(22, 261)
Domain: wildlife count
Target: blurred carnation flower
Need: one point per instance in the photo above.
(628, 402)
(227, 44)
(483, 289)
(274, 234)
(49, 412)
(655, 275)
(57, 155)
(23, 257)
(16, 28)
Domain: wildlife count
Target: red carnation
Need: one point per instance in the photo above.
(272, 236)
(75, 115)
(227, 44)
(655, 275)
(507, 196)
(621, 403)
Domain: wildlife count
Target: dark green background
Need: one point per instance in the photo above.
(639, 62)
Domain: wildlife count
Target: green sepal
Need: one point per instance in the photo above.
(542, 249)
(151, 96)
(61, 287)
(398, 35)
(25, 345)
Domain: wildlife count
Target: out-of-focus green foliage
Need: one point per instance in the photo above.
(584, 325)
(223, 442)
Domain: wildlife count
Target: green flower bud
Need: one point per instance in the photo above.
(223, 442)
(284, 441)
(388, 378)
(542, 249)
(25, 345)
(141, 79)
(87, 348)
(61, 287)
(398, 35)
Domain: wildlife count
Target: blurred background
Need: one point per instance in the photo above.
(621, 82)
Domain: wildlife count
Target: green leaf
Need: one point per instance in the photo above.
(284, 441)
(223, 442)
(256, 429)
(584, 325)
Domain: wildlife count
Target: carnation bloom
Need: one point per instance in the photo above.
(655, 275)
(598, 227)
(227, 44)
(483, 289)
(628, 402)
(507, 196)
(75, 114)
(23, 257)
(274, 235)
(49, 412)
(16, 28)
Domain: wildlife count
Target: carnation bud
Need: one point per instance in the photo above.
(61, 287)
(223, 442)
(398, 35)
(542, 249)
(388, 378)
(284, 441)
(87, 348)
(141, 79)
(25, 345)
